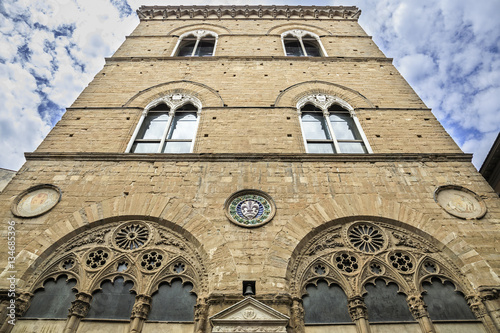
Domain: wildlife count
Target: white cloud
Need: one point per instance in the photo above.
(448, 50)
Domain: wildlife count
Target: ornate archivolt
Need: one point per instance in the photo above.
(358, 253)
(142, 252)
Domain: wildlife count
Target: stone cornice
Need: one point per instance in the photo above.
(235, 12)
(250, 58)
(226, 157)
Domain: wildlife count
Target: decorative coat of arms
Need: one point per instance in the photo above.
(249, 208)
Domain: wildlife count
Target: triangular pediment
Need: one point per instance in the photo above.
(249, 315)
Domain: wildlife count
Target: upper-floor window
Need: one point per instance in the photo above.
(301, 43)
(199, 43)
(330, 126)
(167, 125)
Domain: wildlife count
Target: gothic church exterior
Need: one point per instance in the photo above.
(250, 169)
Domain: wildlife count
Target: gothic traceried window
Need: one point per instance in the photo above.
(168, 126)
(329, 127)
(301, 43)
(384, 303)
(56, 296)
(173, 302)
(325, 304)
(200, 43)
(444, 302)
(113, 301)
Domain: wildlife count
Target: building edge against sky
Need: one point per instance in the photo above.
(250, 169)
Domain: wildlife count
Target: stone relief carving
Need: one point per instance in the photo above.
(460, 202)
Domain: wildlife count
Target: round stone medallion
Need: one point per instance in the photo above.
(460, 202)
(249, 208)
(36, 200)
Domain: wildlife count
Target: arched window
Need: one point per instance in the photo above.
(53, 301)
(173, 302)
(444, 302)
(199, 43)
(301, 43)
(113, 301)
(325, 304)
(384, 303)
(330, 126)
(167, 126)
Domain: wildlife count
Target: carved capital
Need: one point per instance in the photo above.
(23, 301)
(489, 293)
(476, 305)
(357, 308)
(81, 305)
(417, 306)
(200, 316)
(141, 307)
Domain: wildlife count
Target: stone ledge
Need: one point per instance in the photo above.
(226, 157)
(250, 58)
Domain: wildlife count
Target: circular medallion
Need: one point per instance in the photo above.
(249, 208)
(460, 202)
(36, 200)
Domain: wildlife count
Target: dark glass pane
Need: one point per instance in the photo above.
(187, 107)
(205, 47)
(53, 301)
(325, 304)
(160, 107)
(385, 304)
(113, 301)
(173, 303)
(293, 48)
(314, 126)
(183, 126)
(153, 126)
(310, 107)
(444, 303)
(186, 49)
(312, 48)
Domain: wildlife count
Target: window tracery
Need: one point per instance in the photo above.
(104, 267)
(167, 125)
(400, 266)
(302, 43)
(199, 43)
(330, 126)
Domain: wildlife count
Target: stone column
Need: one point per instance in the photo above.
(22, 304)
(477, 306)
(140, 312)
(297, 311)
(358, 313)
(419, 311)
(200, 316)
(79, 309)
(491, 300)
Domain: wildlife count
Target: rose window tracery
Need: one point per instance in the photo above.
(179, 267)
(151, 261)
(366, 237)
(430, 267)
(402, 261)
(346, 262)
(319, 269)
(68, 264)
(131, 236)
(97, 258)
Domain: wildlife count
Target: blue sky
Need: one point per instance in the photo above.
(448, 50)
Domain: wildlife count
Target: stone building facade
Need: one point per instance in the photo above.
(250, 169)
